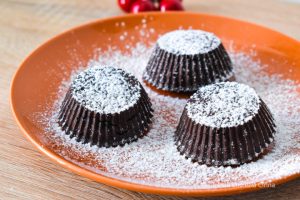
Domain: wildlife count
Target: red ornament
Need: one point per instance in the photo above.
(167, 5)
(156, 4)
(125, 5)
(142, 6)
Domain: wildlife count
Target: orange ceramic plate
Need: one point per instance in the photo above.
(35, 84)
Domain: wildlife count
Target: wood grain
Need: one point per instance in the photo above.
(27, 174)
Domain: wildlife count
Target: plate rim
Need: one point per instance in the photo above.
(124, 184)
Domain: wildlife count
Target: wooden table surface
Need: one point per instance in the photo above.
(24, 24)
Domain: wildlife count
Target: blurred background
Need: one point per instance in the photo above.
(32, 21)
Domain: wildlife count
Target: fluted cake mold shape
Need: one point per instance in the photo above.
(120, 115)
(184, 60)
(230, 143)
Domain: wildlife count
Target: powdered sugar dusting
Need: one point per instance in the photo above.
(188, 42)
(225, 104)
(105, 89)
(154, 160)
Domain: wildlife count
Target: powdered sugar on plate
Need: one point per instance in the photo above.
(154, 159)
(105, 89)
(225, 104)
(188, 42)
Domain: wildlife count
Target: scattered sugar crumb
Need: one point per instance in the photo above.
(122, 37)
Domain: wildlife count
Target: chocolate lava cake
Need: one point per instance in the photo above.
(184, 60)
(224, 124)
(105, 106)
